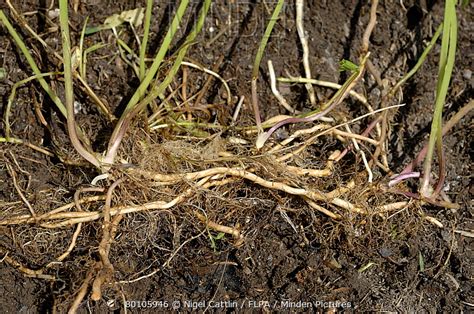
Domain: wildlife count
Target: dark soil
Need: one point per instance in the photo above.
(306, 258)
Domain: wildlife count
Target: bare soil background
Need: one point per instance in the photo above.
(306, 257)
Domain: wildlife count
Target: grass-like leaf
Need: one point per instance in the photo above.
(446, 65)
(31, 62)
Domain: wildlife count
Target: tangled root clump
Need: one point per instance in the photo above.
(176, 189)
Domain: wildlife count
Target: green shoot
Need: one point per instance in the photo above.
(133, 106)
(68, 85)
(144, 43)
(145, 83)
(82, 67)
(213, 239)
(12, 97)
(410, 167)
(136, 103)
(34, 67)
(258, 59)
(420, 61)
(266, 37)
(123, 46)
(446, 65)
(346, 65)
(179, 58)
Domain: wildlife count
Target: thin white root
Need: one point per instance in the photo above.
(70, 248)
(220, 78)
(322, 209)
(275, 90)
(434, 221)
(17, 188)
(361, 152)
(304, 45)
(355, 136)
(370, 26)
(237, 109)
(469, 234)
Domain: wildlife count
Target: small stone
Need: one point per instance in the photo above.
(52, 14)
(467, 74)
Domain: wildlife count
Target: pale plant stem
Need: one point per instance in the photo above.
(370, 27)
(361, 152)
(446, 65)
(258, 59)
(304, 44)
(275, 90)
(68, 86)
